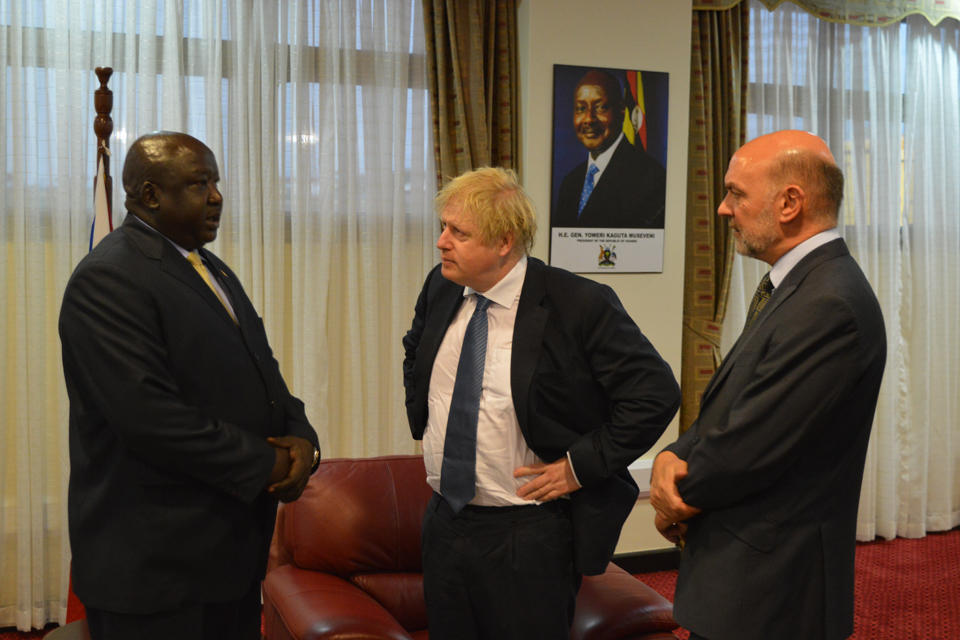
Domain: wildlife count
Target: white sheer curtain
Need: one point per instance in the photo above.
(886, 101)
(317, 111)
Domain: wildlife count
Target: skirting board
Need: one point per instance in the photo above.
(648, 561)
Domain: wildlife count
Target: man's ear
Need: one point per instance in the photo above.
(505, 246)
(149, 195)
(791, 203)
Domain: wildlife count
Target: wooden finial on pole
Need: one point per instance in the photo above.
(103, 127)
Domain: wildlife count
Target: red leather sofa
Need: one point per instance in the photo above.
(345, 563)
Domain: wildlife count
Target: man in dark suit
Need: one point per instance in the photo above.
(183, 434)
(515, 370)
(619, 185)
(765, 485)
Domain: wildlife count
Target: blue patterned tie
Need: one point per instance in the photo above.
(458, 474)
(587, 188)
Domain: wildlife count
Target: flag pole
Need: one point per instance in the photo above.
(103, 128)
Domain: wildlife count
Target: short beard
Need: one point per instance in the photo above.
(756, 242)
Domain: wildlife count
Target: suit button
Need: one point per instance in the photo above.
(696, 439)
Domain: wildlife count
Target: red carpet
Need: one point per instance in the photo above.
(905, 590)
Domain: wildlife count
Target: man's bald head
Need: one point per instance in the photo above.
(171, 185)
(150, 159)
(782, 189)
(801, 158)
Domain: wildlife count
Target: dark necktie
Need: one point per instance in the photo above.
(458, 474)
(764, 289)
(587, 188)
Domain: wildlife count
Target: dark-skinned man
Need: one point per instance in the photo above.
(183, 434)
(618, 185)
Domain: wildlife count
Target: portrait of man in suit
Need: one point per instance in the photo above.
(532, 391)
(183, 434)
(764, 487)
(617, 185)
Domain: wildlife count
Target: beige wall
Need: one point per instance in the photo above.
(626, 34)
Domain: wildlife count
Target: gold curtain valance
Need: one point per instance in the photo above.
(868, 13)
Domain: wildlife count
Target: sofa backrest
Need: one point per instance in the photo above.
(358, 516)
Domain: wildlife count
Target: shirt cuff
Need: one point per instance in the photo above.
(573, 471)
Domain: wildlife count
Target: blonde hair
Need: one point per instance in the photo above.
(497, 203)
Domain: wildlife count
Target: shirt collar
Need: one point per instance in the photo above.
(604, 158)
(182, 251)
(505, 292)
(789, 260)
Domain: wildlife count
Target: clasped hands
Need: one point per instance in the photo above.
(291, 471)
(552, 480)
(671, 510)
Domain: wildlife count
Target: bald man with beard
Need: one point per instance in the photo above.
(183, 435)
(765, 486)
(628, 186)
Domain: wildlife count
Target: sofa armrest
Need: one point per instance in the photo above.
(616, 606)
(279, 554)
(308, 605)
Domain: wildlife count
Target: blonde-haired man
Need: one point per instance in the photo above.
(526, 384)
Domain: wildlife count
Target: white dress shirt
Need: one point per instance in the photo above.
(789, 260)
(500, 445)
(603, 160)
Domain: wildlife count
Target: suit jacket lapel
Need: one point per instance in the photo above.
(527, 339)
(156, 247)
(832, 249)
(444, 308)
(780, 294)
(228, 286)
(610, 179)
(176, 265)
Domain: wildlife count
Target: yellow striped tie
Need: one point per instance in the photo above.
(194, 258)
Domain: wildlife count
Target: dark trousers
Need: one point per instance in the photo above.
(499, 573)
(236, 620)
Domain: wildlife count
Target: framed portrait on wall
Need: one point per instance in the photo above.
(608, 179)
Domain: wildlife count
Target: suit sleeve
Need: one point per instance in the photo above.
(640, 388)
(787, 394)
(115, 357)
(294, 411)
(684, 444)
(411, 342)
